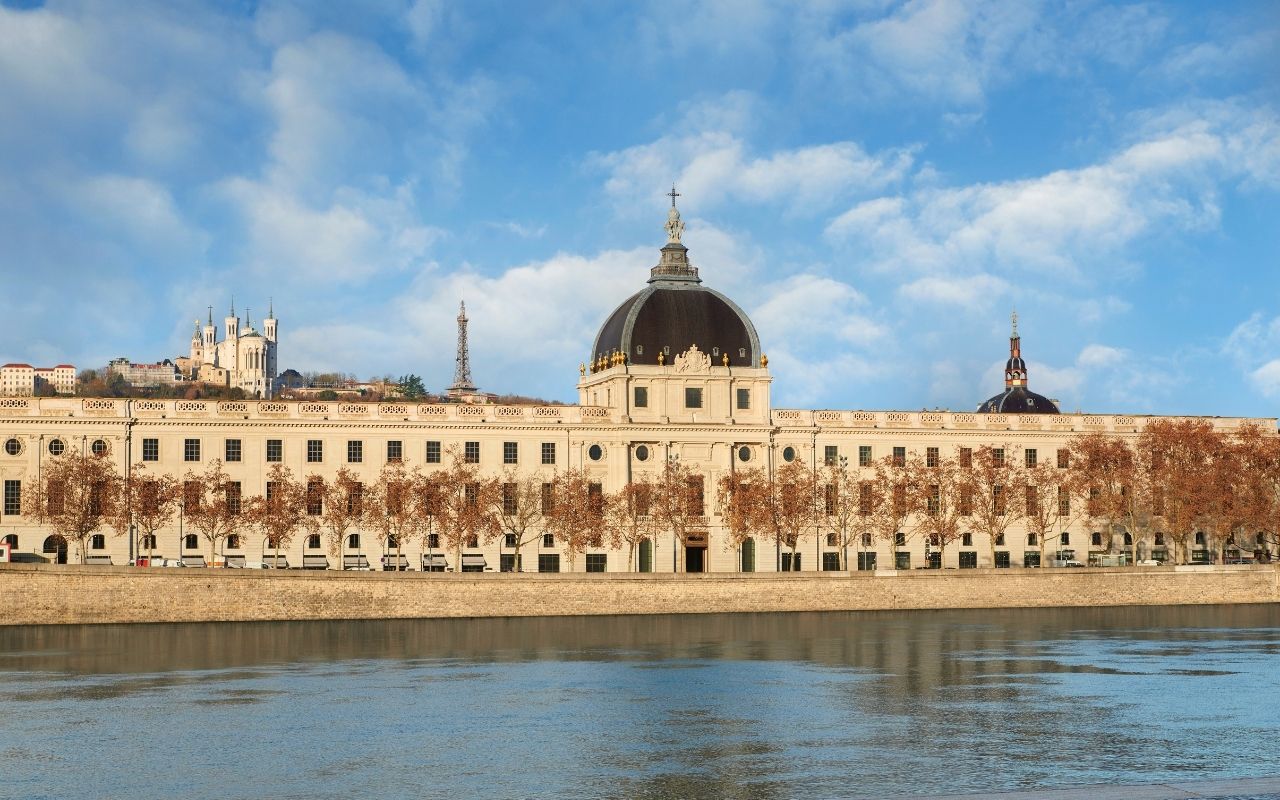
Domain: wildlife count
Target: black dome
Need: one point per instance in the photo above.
(1018, 400)
(675, 312)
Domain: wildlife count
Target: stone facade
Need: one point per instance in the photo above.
(45, 594)
(612, 441)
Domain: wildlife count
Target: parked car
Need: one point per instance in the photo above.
(1150, 562)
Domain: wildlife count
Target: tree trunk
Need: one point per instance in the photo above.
(1042, 559)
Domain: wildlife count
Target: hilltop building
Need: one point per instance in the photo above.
(243, 359)
(678, 372)
(162, 373)
(24, 380)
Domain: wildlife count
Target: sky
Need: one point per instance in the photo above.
(878, 184)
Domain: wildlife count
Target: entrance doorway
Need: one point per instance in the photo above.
(695, 559)
(55, 547)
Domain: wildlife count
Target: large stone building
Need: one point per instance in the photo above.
(24, 380)
(243, 359)
(678, 371)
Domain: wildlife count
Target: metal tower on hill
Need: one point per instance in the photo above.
(463, 385)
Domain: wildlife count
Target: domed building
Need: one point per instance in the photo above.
(1016, 397)
(674, 313)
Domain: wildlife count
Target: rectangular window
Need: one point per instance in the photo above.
(997, 456)
(899, 456)
(191, 450)
(509, 506)
(899, 539)
(864, 455)
(1065, 539)
(1031, 540)
(275, 450)
(548, 452)
(150, 449)
(233, 497)
(997, 499)
(692, 397)
(433, 452)
(548, 562)
(1064, 501)
(315, 498)
(966, 540)
(355, 451)
(642, 397)
(595, 498)
(829, 499)
(830, 562)
(1030, 558)
(12, 498)
(98, 542)
(867, 562)
(315, 451)
(968, 559)
(1095, 539)
(999, 540)
(830, 455)
(1064, 458)
(355, 499)
(1033, 502)
(1030, 455)
(966, 457)
(231, 450)
(471, 494)
(548, 540)
(902, 559)
(508, 540)
(1002, 559)
(471, 452)
(933, 502)
(597, 562)
(507, 562)
(931, 456)
(191, 493)
(864, 498)
(510, 453)
(395, 451)
(791, 562)
(548, 501)
(744, 399)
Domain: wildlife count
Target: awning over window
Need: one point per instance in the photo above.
(473, 561)
(434, 560)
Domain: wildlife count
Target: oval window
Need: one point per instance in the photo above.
(744, 453)
(99, 447)
(56, 447)
(788, 454)
(642, 453)
(594, 452)
(13, 447)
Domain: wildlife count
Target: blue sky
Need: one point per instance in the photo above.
(878, 184)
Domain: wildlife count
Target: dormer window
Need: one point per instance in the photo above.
(639, 349)
(742, 352)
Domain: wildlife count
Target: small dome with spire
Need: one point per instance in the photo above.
(1016, 397)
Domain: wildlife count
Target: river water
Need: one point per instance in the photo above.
(748, 706)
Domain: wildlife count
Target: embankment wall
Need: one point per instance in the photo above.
(49, 594)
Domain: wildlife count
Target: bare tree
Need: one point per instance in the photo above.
(1182, 456)
(885, 502)
(343, 508)
(943, 500)
(740, 495)
(287, 507)
(395, 510)
(212, 504)
(680, 502)
(517, 507)
(1047, 507)
(463, 505)
(996, 476)
(630, 517)
(789, 509)
(840, 504)
(78, 493)
(147, 501)
(578, 514)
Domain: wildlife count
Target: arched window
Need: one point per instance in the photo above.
(313, 541)
(98, 542)
(233, 541)
(11, 539)
(191, 542)
(353, 541)
(56, 546)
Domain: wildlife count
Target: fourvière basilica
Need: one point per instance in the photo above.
(244, 359)
(677, 373)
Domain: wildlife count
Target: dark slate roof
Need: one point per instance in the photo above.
(677, 314)
(1018, 400)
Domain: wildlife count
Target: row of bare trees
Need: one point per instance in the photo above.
(454, 506)
(1177, 479)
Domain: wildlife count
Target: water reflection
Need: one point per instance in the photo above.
(764, 706)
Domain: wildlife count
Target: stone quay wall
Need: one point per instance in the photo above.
(40, 594)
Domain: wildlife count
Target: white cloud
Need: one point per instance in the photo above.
(1097, 356)
(973, 293)
(1077, 222)
(1266, 378)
